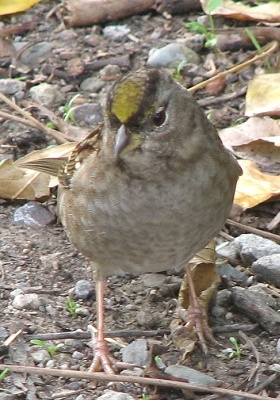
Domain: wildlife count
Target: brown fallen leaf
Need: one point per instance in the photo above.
(19, 183)
(270, 11)
(206, 280)
(255, 187)
(262, 96)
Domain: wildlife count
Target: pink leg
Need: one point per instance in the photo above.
(101, 358)
(195, 317)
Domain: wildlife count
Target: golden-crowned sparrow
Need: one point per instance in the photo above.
(147, 189)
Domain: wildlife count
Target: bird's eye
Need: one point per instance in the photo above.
(159, 117)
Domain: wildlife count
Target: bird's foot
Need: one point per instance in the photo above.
(102, 359)
(195, 319)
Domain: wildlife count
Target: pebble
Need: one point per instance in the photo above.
(11, 86)
(116, 32)
(263, 295)
(92, 85)
(252, 247)
(28, 301)
(110, 72)
(15, 293)
(88, 113)
(46, 94)
(112, 395)
(84, 289)
(33, 215)
(231, 273)
(191, 375)
(40, 355)
(268, 268)
(82, 311)
(136, 353)
(3, 333)
(171, 55)
(147, 320)
(77, 355)
(227, 250)
(153, 280)
(223, 298)
(278, 348)
(31, 54)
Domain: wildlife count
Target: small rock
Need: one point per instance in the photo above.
(268, 268)
(110, 73)
(28, 301)
(116, 32)
(218, 311)
(146, 319)
(278, 348)
(11, 86)
(112, 395)
(46, 94)
(171, 55)
(153, 280)
(32, 54)
(231, 273)
(33, 215)
(191, 375)
(88, 113)
(3, 333)
(252, 247)
(223, 298)
(227, 250)
(40, 355)
(77, 355)
(263, 295)
(82, 311)
(92, 85)
(84, 289)
(136, 353)
(15, 293)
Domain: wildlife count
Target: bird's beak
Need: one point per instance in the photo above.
(126, 141)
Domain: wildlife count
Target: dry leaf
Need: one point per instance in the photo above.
(255, 187)
(270, 11)
(263, 95)
(257, 139)
(14, 6)
(206, 280)
(19, 183)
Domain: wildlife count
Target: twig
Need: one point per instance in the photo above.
(100, 376)
(58, 136)
(256, 231)
(266, 50)
(255, 351)
(78, 334)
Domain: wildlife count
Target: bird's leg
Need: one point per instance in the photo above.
(102, 359)
(195, 317)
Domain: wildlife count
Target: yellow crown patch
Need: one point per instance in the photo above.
(126, 99)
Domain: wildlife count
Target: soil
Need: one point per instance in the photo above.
(42, 260)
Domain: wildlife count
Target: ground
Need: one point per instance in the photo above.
(42, 260)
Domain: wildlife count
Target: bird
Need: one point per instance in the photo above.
(146, 189)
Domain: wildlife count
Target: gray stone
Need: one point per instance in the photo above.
(171, 55)
(263, 295)
(40, 355)
(32, 54)
(33, 215)
(46, 94)
(116, 32)
(3, 333)
(136, 353)
(92, 85)
(268, 267)
(191, 375)
(88, 113)
(28, 301)
(252, 247)
(153, 280)
(84, 289)
(231, 273)
(227, 250)
(112, 395)
(11, 86)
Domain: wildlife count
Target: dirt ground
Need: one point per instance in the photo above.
(42, 261)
